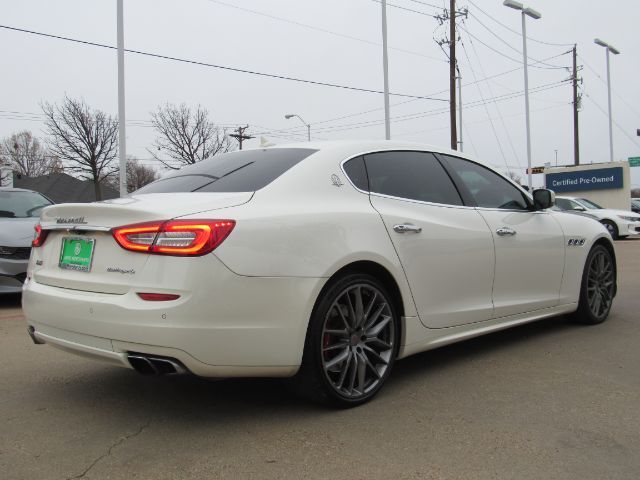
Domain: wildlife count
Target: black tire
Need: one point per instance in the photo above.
(345, 363)
(597, 288)
(612, 228)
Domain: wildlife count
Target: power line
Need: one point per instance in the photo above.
(399, 7)
(511, 58)
(624, 100)
(220, 67)
(507, 43)
(517, 32)
(506, 130)
(322, 30)
(624, 132)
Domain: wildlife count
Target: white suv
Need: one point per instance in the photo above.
(620, 223)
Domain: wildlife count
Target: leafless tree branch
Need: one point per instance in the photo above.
(186, 136)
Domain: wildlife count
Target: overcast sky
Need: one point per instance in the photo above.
(335, 42)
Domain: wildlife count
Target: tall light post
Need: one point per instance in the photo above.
(615, 51)
(122, 131)
(385, 72)
(291, 115)
(535, 15)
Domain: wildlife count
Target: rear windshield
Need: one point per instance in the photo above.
(19, 204)
(243, 171)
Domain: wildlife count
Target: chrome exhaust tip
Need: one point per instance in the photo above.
(32, 333)
(150, 365)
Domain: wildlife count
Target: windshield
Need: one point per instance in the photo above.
(21, 204)
(588, 204)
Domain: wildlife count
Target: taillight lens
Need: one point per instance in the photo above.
(174, 237)
(40, 236)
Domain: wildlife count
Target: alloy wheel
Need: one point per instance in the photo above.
(358, 340)
(600, 284)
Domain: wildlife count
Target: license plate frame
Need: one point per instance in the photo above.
(77, 259)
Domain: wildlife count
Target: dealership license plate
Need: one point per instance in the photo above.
(76, 253)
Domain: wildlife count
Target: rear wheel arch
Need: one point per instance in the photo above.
(375, 270)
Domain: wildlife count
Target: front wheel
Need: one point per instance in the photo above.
(597, 288)
(351, 343)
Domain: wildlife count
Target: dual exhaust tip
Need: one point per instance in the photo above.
(152, 365)
(141, 363)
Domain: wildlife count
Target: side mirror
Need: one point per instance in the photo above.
(543, 198)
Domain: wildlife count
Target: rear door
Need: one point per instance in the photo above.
(529, 245)
(445, 248)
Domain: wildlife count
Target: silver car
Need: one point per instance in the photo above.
(19, 213)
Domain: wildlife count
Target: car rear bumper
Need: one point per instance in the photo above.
(239, 326)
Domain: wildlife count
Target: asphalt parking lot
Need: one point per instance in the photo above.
(551, 400)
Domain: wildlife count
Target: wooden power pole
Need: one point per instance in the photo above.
(240, 136)
(576, 140)
(452, 74)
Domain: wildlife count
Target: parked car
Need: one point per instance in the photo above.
(19, 212)
(620, 223)
(323, 262)
(635, 205)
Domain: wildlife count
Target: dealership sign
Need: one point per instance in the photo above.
(599, 179)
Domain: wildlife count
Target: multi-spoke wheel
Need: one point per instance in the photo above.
(351, 344)
(598, 287)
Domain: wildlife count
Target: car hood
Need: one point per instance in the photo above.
(17, 232)
(608, 212)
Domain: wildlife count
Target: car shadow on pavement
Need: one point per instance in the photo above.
(190, 401)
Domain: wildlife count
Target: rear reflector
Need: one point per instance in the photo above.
(174, 237)
(158, 297)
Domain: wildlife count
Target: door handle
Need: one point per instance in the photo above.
(407, 227)
(506, 232)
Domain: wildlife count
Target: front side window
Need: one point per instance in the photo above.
(243, 171)
(410, 175)
(488, 189)
(21, 204)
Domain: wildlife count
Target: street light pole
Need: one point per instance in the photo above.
(291, 115)
(535, 15)
(385, 69)
(615, 51)
(122, 130)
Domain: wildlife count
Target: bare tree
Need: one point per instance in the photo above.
(85, 139)
(514, 176)
(139, 175)
(26, 155)
(186, 136)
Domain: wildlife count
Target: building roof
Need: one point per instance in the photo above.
(63, 188)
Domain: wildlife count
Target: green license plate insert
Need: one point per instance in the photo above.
(76, 253)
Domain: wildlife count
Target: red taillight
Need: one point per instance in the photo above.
(40, 236)
(158, 297)
(174, 237)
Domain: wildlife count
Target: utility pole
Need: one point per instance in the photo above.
(576, 141)
(460, 109)
(452, 74)
(240, 136)
(122, 131)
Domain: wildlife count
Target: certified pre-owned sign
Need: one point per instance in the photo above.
(598, 179)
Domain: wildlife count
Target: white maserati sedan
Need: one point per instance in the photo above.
(322, 262)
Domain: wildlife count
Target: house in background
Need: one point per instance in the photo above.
(63, 188)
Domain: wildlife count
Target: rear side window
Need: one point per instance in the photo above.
(411, 175)
(243, 171)
(488, 189)
(357, 173)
